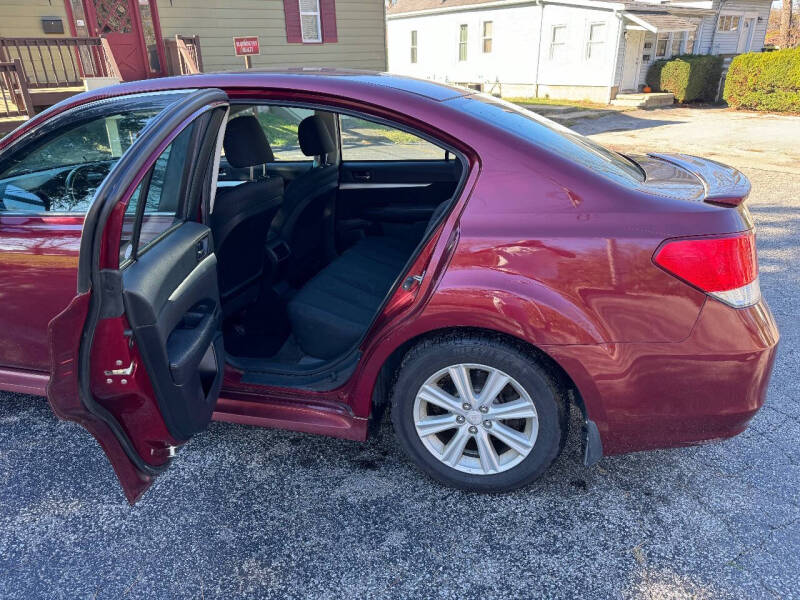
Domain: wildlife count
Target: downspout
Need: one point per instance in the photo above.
(540, 4)
(716, 24)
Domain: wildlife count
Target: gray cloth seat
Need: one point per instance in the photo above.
(300, 223)
(334, 309)
(242, 215)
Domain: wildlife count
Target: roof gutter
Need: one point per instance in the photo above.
(503, 4)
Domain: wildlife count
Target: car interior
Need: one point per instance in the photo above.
(314, 228)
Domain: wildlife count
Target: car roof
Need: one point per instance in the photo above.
(318, 79)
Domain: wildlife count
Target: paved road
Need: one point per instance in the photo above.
(259, 513)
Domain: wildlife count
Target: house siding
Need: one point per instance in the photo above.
(22, 18)
(728, 42)
(515, 55)
(360, 32)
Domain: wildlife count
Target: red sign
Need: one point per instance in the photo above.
(246, 46)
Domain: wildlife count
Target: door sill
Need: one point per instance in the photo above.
(293, 415)
(23, 381)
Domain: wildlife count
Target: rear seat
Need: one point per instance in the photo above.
(331, 312)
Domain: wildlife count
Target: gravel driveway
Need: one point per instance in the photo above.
(260, 513)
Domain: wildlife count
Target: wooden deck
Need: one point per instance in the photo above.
(44, 97)
(41, 98)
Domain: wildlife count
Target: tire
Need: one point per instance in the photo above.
(440, 364)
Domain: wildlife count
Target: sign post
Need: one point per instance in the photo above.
(246, 47)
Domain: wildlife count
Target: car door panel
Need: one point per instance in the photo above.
(172, 304)
(146, 370)
(394, 191)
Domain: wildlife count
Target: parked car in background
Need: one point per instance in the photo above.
(303, 249)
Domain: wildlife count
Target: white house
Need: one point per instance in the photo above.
(577, 49)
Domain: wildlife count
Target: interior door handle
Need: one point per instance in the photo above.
(186, 347)
(362, 175)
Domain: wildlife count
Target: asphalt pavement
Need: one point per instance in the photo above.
(250, 512)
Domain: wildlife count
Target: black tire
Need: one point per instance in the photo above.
(425, 359)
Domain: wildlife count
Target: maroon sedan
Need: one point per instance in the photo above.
(304, 249)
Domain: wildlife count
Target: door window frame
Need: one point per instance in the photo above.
(65, 116)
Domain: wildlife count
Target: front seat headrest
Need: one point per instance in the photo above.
(245, 143)
(314, 136)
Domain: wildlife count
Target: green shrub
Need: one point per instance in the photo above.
(689, 77)
(765, 81)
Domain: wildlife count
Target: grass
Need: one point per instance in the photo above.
(557, 102)
(280, 132)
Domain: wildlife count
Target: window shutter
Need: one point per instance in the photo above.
(327, 9)
(291, 13)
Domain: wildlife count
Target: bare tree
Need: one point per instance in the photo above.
(786, 24)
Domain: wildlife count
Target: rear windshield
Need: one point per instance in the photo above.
(550, 136)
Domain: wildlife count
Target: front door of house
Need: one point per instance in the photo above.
(633, 59)
(746, 35)
(118, 22)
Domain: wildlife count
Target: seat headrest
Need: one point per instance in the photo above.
(245, 143)
(314, 136)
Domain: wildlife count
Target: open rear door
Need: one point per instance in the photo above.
(137, 357)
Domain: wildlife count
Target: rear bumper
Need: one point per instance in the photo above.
(707, 387)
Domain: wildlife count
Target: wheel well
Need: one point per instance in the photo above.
(391, 367)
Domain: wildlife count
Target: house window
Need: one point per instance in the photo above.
(462, 43)
(728, 23)
(677, 43)
(414, 46)
(558, 42)
(310, 24)
(662, 41)
(597, 39)
(488, 27)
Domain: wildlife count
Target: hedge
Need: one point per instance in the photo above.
(765, 81)
(689, 77)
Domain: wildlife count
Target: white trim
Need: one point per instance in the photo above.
(650, 27)
(310, 13)
(502, 3)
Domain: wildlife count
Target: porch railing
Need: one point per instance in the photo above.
(16, 100)
(60, 62)
(183, 55)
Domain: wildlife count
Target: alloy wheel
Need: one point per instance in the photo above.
(476, 419)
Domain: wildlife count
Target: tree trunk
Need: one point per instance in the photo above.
(786, 24)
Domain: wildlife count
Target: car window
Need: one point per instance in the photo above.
(364, 140)
(280, 126)
(61, 171)
(156, 197)
(550, 136)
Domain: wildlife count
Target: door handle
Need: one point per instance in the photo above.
(362, 175)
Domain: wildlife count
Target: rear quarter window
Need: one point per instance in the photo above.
(551, 137)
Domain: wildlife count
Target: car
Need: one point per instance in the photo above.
(304, 249)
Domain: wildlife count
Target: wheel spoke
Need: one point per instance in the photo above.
(511, 438)
(517, 409)
(431, 425)
(489, 459)
(495, 383)
(436, 395)
(460, 376)
(455, 447)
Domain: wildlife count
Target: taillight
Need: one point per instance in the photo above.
(723, 267)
